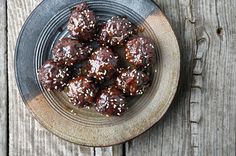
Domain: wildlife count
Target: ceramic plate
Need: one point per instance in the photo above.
(47, 24)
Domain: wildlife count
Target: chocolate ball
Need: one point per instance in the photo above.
(53, 75)
(70, 51)
(102, 64)
(81, 91)
(132, 82)
(139, 52)
(116, 31)
(111, 102)
(82, 23)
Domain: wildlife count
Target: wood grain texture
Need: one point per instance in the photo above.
(203, 115)
(110, 151)
(26, 136)
(213, 109)
(35, 140)
(171, 135)
(3, 80)
(201, 120)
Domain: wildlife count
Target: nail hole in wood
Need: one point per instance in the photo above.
(220, 31)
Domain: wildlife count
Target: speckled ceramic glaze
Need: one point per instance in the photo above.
(47, 24)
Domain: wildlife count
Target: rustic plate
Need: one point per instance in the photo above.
(47, 24)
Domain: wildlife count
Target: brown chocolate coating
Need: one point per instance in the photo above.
(132, 82)
(81, 91)
(139, 52)
(53, 75)
(111, 101)
(102, 64)
(70, 51)
(116, 31)
(82, 23)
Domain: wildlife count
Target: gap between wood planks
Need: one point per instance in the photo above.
(3, 80)
(7, 148)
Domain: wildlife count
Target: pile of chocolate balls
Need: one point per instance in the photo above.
(99, 81)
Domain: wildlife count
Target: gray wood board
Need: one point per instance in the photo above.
(213, 100)
(109, 151)
(171, 135)
(201, 120)
(26, 136)
(3, 80)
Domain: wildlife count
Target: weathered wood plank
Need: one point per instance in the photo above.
(3, 80)
(206, 33)
(109, 151)
(27, 137)
(171, 135)
(213, 109)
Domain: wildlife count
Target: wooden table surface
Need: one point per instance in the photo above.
(202, 118)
